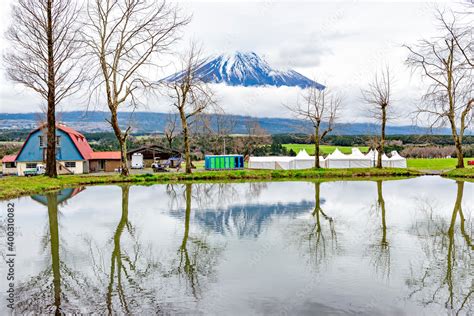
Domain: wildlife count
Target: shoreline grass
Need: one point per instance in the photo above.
(12, 187)
(466, 173)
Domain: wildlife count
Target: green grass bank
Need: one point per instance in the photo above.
(11, 187)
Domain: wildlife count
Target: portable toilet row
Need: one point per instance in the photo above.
(224, 162)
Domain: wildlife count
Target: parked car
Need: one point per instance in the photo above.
(39, 170)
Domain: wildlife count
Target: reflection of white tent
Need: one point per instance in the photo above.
(397, 161)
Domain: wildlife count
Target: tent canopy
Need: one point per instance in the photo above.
(357, 154)
(337, 155)
(303, 155)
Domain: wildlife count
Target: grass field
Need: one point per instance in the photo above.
(435, 163)
(325, 149)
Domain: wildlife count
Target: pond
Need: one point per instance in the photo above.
(399, 247)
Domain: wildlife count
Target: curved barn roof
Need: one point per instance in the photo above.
(77, 138)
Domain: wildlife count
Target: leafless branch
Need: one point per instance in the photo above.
(124, 40)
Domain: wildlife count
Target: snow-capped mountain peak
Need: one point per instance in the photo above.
(247, 69)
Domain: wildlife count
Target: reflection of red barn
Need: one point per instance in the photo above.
(61, 196)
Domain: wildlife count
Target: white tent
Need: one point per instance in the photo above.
(305, 161)
(261, 163)
(338, 160)
(397, 161)
(283, 163)
(270, 162)
(359, 160)
(385, 161)
(302, 161)
(372, 155)
(335, 160)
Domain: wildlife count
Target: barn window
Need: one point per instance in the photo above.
(58, 140)
(70, 164)
(41, 141)
(31, 165)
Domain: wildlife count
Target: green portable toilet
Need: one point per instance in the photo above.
(227, 162)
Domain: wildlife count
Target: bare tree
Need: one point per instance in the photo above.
(222, 128)
(171, 129)
(379, 99)
(444, 62)
(460, 30)
(43, 57)
(321, 108)
(122, 37)
(255, 137)
(215, 131)
(191, 96)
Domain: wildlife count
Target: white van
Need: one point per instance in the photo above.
(137, 161)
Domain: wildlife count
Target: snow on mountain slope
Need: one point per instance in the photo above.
(249, 70)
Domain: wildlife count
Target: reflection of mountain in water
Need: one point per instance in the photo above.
(246, 220)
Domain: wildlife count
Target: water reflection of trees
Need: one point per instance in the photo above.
(57, 288)
(317, 238)
(125, 285)
(380, 249)
(197, 258)
(447, 276)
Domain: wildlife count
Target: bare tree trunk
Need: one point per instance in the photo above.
(381, 146)
(316, 147)
(51, 116)
(459, 153)
(123, 159)
(122, 139)
(381, 202)
(187, 146)
(54, 240)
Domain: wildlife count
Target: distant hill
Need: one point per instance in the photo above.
(153, 122)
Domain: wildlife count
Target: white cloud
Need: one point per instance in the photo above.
(340, 44)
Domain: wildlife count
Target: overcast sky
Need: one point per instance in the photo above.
(339, 43)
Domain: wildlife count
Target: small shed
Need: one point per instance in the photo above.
(104, 161)
(9, 165)
(224, 162)
(152, 153)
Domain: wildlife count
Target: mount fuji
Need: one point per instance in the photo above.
(248, 70)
